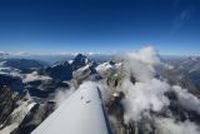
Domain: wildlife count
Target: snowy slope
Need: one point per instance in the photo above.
(82, 113)
(18, 115)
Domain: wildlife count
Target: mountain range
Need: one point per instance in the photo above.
(141, 95)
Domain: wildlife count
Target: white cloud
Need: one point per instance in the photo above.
(146, 55)
(141, 63)
(148, 92)
(186, 99)
(170, 126)
(144, 97)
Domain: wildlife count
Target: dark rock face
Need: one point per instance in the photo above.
(37, 114)
(115, 106)
(60, 72)
(14, 83)
(79, 61)
(33, 91)
(116, 109)
(9, 102)
(8, 99)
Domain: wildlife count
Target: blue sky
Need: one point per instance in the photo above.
(106, 26)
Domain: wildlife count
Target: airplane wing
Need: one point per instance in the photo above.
(82, 113)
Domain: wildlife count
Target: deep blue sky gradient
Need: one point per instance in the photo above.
(108, 26)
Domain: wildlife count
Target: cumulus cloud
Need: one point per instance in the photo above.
(144, 97)
(148, 92)
(146, 55)
(170, 126)
(187, 100)
(141, 63)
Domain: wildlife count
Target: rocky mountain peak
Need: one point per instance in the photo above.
(79, 61)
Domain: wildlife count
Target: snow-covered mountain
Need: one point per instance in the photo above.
(143, 93)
